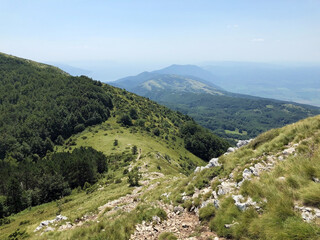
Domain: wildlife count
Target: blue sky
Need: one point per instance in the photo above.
(164, 32)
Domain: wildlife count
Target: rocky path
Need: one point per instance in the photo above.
(265, 163)
(183, 224)
(126, 203)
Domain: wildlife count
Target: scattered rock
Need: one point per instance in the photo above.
(156, 219)
(167, 195)
(214, 194)
(66, 226)
(230, 225)
(182, 226)
(178, 210)
(49, 229)
(226, 187)
(307, 213)
(317, 180)
(216, 203)
(60, 218)
(231, 149)
(185, 198)
(205, 203)
(288, 151)
(238, 199)
(214, 162)
(242, 143)
(48, 222)
(246, 174)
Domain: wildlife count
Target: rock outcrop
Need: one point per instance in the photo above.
(46, 223)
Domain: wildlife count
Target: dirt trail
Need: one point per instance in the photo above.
(139, 154)
(126, 203)
(180, 222)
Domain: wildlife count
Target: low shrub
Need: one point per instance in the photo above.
(207, 212)
(167, 236)
(311, 195)
(187, 205)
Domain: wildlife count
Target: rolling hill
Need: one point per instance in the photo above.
(229, 115)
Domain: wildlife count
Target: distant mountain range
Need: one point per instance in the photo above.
(190, 89)
(298, 83)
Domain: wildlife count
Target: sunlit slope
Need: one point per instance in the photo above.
(268, 189)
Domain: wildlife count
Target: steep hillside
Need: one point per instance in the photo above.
(228, 115)
(70, 145)
(41, 104)
(268, 189)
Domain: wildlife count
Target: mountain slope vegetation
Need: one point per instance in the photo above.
(65, 136)
(228, 115)
(132, 175)
(39, 103)
(268, 189)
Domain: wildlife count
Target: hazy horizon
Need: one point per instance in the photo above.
(154, 33)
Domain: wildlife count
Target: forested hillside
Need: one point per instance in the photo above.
(229, 115)
(235, 117)
(42, 107)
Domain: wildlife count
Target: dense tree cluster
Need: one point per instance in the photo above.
(40, 105)
(31, 183)
(237, 117)
(201, 142)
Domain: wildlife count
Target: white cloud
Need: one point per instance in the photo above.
(257, 40)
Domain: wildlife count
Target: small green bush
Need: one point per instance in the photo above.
(24, 222)
(207, 212)
(118, 180)
(197, 201)
(190, 190)
(201, 182)
(18, 234)
(4, 221)
(295, 228)
(226, 214)
(187, 205)
(133, 177)
(167, 236)
(86, 186)
(134, 150)
(292, 182)
(178, 199)
(311, 195)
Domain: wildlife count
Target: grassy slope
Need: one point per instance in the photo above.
(290, 183)
(101, 137)
(281, 196)
(161, 152)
